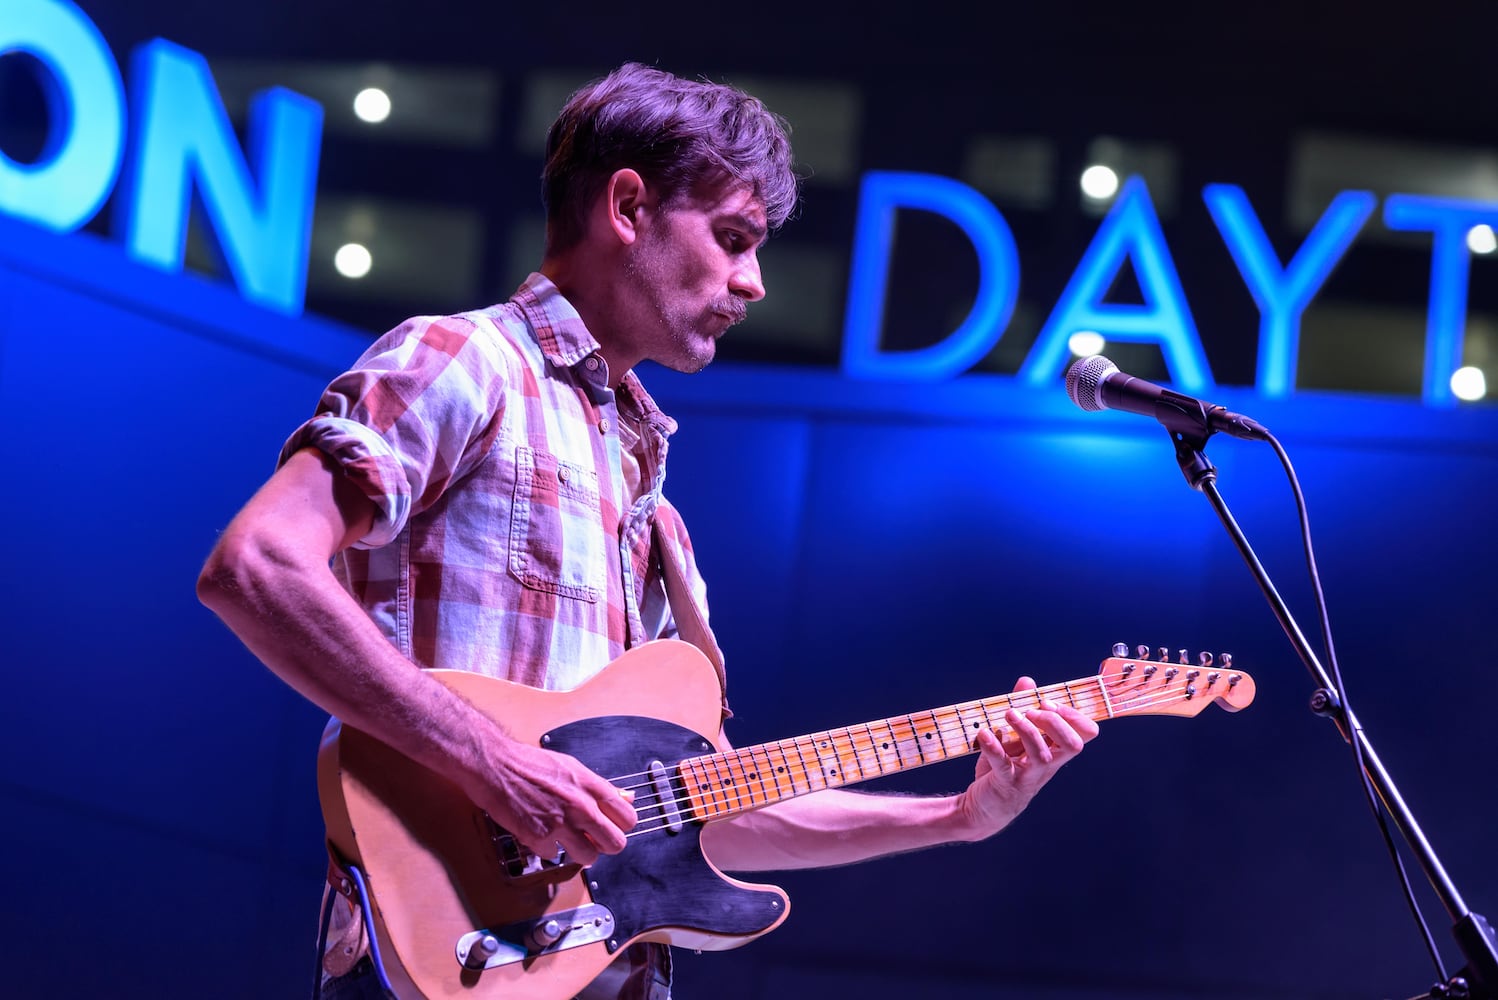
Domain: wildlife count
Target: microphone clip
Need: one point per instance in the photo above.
(1189, 423)
(1192, 458)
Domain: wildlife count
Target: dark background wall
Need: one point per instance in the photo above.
(873, 550)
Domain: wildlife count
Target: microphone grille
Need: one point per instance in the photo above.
(1084, 381)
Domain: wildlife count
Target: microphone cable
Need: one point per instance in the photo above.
(1340, 691)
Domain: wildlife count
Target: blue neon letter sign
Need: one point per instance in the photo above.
(180, 141)
(1282, 293)
(86, 102)
(1130, 230)
(998, 277)
(1449, 221)
(182, 134)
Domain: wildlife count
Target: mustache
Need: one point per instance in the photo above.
(735, 309)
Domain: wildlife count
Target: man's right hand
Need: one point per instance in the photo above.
(546, 799)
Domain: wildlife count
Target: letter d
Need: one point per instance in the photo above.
(998, 277)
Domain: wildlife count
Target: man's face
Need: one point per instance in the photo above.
(694, 270)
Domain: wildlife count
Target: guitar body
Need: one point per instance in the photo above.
(435, 873)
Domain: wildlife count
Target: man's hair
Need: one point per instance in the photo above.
(676, 133)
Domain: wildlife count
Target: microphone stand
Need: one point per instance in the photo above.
(1478, 980)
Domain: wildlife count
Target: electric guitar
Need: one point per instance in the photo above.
(461, 909)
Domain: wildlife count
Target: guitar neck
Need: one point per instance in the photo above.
(725, 784)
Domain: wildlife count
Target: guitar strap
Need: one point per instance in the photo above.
(346, 940)
(690, 624)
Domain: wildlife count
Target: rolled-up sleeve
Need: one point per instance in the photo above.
(415, 413)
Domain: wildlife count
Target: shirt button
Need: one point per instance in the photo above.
(562, 474)
(603, 425)
(592, 363)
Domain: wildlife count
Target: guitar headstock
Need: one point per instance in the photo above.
(1146, 684)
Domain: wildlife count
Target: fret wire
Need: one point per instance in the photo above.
(739, 777)
(874, 746)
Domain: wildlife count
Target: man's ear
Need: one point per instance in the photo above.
(627, 201)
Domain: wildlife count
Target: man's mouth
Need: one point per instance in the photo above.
(734, 312)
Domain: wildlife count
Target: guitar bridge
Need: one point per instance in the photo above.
(527, 939)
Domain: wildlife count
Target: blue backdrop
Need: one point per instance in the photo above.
(871, 549)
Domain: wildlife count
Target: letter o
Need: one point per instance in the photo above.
(80, 162)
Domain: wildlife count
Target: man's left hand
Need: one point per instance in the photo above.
(1005, 782)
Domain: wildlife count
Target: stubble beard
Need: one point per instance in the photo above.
(690, 347)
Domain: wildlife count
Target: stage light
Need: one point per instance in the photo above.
(1481, 239)
(1086, 343)
(353, 260)
(1099, 182)
(372, 105)
(1469, 383)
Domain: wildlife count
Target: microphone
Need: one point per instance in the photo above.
(1095, 383)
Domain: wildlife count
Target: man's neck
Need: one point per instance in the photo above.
(592, 300)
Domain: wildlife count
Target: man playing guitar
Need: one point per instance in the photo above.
(482, 493)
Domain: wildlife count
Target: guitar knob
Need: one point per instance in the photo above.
(546, 934)
(482, 950)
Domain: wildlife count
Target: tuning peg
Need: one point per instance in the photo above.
(1142, 652)
(1227, 660)
(1120, 649)
(1164, 656)
(1204, 658)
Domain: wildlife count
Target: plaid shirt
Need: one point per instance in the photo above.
(506, 540)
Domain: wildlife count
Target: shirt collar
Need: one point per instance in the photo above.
(566, 342)
(650, 414)
(559, 329)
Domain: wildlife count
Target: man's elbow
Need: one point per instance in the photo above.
(233, 571)
(219, 578)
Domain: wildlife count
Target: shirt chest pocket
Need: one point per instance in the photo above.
(557, 536)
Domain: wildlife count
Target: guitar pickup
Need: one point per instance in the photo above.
(660, 779)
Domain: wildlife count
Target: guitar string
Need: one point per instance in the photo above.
(1088, 700)
(734, 800)
(945, 728)
(864, 754)
(865, 757)
(724, 798)
(1091, 698)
